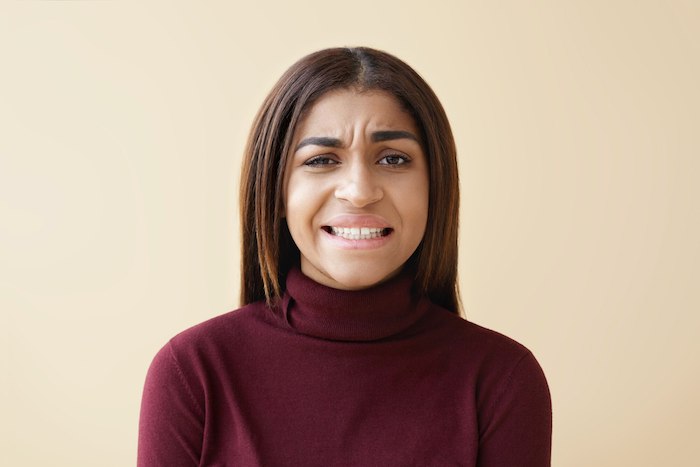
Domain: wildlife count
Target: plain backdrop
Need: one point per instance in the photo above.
(121, 130)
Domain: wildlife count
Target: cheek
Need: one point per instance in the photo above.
(300, 204)
(416, 197)
(420, 215)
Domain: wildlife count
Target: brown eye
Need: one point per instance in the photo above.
(394, 159)
(320, 161)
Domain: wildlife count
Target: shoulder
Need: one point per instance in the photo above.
(512, 399)
(496, 363)
(225, 329)
(207, 350)
(211, 340)
(183, 376)
(510, 394)
(468, 337)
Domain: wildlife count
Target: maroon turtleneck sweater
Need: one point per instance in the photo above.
(377, 377)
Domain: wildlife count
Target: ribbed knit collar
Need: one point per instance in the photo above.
(364, 315)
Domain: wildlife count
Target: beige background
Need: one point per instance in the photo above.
(121, 129)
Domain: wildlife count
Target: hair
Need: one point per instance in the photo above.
(268, 251)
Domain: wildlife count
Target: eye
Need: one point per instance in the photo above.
(320, 161)
(394, 159)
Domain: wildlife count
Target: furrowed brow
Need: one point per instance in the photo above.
(319, 141)
(379, 136)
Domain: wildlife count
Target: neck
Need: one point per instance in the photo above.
(374, 313)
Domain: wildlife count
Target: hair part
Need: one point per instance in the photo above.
(268, 251)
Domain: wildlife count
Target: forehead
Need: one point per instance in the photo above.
(344, 110)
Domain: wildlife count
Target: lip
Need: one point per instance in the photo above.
(364, 220)
(364, 244)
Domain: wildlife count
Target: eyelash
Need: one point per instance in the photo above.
(320, 161)
(401, 157)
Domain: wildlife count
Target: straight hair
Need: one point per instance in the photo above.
(268, 251)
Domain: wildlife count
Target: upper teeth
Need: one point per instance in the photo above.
(357, 233)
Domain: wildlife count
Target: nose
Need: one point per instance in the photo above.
(359, 186)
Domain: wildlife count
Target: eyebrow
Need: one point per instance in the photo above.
(319, 141)
(377, 137)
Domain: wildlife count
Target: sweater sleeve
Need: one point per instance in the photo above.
(516, 428)
(171, 423)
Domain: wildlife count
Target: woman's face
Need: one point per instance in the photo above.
(356, 189)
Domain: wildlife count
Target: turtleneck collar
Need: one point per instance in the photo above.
(362, 315)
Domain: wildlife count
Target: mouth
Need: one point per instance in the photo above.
(358, 233)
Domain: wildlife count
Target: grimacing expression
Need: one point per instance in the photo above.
(356, 189)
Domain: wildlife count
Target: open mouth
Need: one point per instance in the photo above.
(358, 233)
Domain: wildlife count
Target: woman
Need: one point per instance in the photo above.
(349, 349)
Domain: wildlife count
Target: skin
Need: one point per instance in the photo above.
(357, 163)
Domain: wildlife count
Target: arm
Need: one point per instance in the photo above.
(172, 422)
(516, 427)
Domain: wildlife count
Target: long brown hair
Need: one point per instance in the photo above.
(268, 251)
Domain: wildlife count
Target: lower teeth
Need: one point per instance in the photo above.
(359, 237)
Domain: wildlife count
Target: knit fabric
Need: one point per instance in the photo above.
(378, 377)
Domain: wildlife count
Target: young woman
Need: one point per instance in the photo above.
(349, 349)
